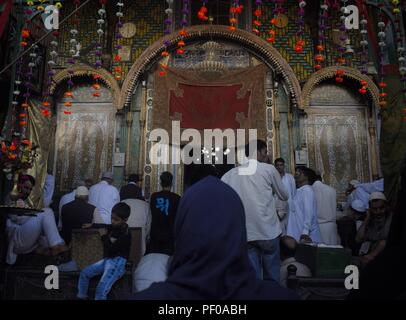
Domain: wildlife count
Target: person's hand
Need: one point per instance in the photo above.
(86, 225)
(304, 238)
(366, 259)
(102, 232)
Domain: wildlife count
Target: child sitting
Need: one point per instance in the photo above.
(116, 243)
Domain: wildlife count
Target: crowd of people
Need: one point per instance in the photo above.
(227, 237)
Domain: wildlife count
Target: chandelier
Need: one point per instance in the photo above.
(211, 68)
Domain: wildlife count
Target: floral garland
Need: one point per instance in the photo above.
(99, 48)
(278, 10)
(117, 70)
(364, 41)
(400, 50)
(235, 10)
(382, 44)
(184, 23)
(256, 23)
(167, 31)
(202, 13)
(321, 45)
(300, 43)
(344, 41)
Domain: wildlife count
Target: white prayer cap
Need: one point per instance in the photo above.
(81, 192)
(354, 183)
(108, 175)
(377, 196)
(358, 205)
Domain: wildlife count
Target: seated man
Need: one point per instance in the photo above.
(140, 217)
(76, 213)
(375, 228)
(288, 249)
(66, 198)
(152, 268)
(26, 234)
(131, 190)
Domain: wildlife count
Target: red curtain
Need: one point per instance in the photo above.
(209, 107)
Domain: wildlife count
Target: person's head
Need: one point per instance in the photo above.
(89, 182)
(280, 165)
(377, 205)
(166, 179)
(358, 209)
(25, 185)
(304, 175)
(119, 214)
(134, 178)
(317, 176)
(108, 177)
(82, 193)
(287, 247)
(262, 151)
(351, 186)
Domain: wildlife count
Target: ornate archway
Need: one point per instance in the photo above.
(258, 46)
(82, 70)
(330, 73)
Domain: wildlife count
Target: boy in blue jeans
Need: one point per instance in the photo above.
(117, 242)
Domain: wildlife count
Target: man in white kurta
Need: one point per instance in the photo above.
(282, 207)
(326, 200)
(49, 188)
(140, 217)
(302, 223)
(257, 191)
(104, 196)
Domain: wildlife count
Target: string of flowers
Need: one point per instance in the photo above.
(321, 45)
(278, 10)
(343, 43)
(99, 48)
(364, 41)
(202, 13)
(382, 44)
(256, 23)
(168, 30)
(184, 23)
(400, 50)
(235, 10)
(117, 70)
(300, 43)
(25, 34)
(41, 7)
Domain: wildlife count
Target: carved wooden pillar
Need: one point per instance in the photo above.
(291, 143)
(374, 151)
(277, 124)
(129, 122)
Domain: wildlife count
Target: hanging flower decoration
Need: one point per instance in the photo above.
(344, 41)
(382, 44)
(339, 75)
(168, 30)
(364, 40)
(202, 14)
(117, 70)
(184, 23)
(278, 10)
(235, 10)
(99, 48)
(300, 43)
(256, 23)
(400, 50)
(321, 45)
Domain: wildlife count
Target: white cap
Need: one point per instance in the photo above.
(377, 196)
(354, 183)
(358, 205)
(81, 192)
(108, 175)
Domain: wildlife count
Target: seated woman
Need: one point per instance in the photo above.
(211, 255)
(27, 234)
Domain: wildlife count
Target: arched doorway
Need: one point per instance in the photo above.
(84, 140)
(238, 56)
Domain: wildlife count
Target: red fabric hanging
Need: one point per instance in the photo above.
(4, 15)
(209, 107)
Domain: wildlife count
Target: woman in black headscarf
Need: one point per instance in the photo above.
(211, 257)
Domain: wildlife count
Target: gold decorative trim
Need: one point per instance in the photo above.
(255, 44)
(329, 73)
(82, 70)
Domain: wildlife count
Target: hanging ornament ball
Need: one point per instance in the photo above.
(298, 49)
(58, 5)
(339, 79)
(317, 66)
